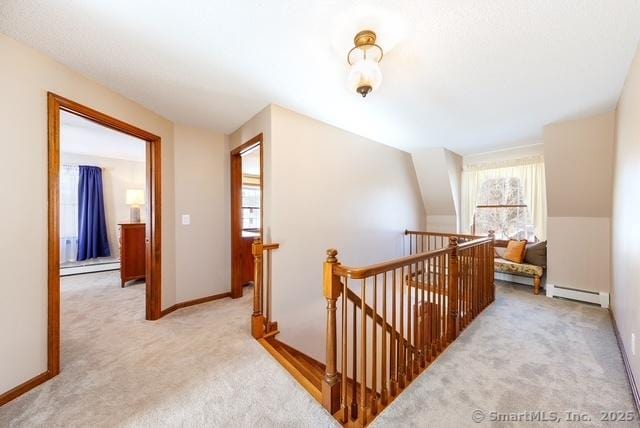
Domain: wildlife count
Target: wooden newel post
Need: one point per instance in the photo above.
(453, 289)
(257, 318)
(332, 289)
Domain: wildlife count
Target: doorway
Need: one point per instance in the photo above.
(149, 235)
(246, 210)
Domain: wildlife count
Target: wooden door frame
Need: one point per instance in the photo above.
(55, 104)
(236, 207)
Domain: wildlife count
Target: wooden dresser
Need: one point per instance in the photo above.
(132, 251)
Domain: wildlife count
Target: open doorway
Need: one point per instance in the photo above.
(104, 213)
(246, 211)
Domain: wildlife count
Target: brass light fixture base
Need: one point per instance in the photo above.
(365, 38)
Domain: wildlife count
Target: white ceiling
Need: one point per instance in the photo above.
(84, 137)
(467, 75)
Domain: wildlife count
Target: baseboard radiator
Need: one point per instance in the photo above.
(598, 298)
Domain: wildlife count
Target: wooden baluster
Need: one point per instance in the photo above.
(345, 338)
(453, 289)
(393, 343)
(384, 393)
(374, 349)
(268, 294)
(492, 235)
(437, 309)
(332, 289)
(363, 356)
(354, 366)
(428, 313)
(443, 322)
(257, 318)
(409, 367)
(423, 324)
(401, 348)
(416, 345)
(477, 275)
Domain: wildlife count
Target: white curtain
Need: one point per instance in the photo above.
(530, 171)
(69, 177)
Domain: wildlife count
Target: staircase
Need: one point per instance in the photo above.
(393, 320)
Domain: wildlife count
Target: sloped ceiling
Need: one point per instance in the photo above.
(469, 76)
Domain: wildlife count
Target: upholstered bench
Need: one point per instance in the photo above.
(520, 269)
(538, 253)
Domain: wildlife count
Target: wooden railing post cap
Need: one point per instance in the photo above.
(332, 286)
(453, 241)
(256, 246)
(331, 255)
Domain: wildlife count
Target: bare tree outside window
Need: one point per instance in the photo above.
(501, 208)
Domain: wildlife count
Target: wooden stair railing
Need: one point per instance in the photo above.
(261, 322)
(352, 296)
(434, 295)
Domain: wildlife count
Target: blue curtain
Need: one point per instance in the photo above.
(92, 227)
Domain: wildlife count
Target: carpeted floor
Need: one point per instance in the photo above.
(199, 367)
(524, 357)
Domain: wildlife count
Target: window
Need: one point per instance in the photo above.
(250, 207)
(69, 177)
(508, 197)
(501, 208)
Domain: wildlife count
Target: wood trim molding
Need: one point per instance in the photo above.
(24, 387)
(195, 302)
(55, 104)
(627, 365)
(236, 208)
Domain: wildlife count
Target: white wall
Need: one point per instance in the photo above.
(578, 164)
(25, 78)
(202, 188)
(625, 243)
(331, 189)
(438, 173)
(118, 175)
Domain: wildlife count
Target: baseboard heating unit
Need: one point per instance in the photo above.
(598, 298)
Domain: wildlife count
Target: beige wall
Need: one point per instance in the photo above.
(260, 123)
(201, 191)
(626, 221)
(331, 189)
(578, 163)
(579, 166)
(578, 252)
(523, 149)
(118, 175)
(25, 78)
(438, 173)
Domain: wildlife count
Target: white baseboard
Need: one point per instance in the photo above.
(598, 298)
(99, 267)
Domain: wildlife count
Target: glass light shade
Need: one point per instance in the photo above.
(135, 197)
(365, 72)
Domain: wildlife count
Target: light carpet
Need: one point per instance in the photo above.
(530, 360)
(197, 367)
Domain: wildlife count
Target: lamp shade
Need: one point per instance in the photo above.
(135, 197)
(365, 73)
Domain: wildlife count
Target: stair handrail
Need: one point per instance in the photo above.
(457, 281)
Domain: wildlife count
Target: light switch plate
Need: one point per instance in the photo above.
(186, 219)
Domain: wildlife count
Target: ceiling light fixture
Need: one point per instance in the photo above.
(364, 58)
